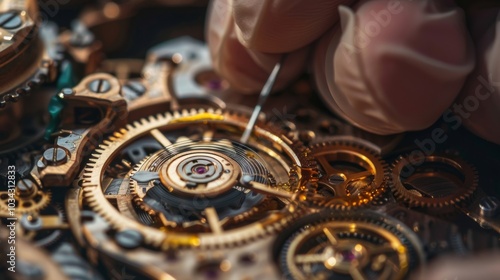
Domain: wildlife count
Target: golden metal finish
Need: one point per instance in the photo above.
(351, 175)
(437, 181)
(176, 173)
(31, 203)
(345, 244)
(78, 139)
(224, 232)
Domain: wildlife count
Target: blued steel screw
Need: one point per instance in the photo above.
(132, 90)
(10, 20)
(25, 186)
(54, 156)
(99, 86)
(67, 91)
(129, 238)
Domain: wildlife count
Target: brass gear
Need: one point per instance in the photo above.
(352, 175)
(268, 204)
(23, 53)
(345, 244)
(30, 204)
(295, 165)
(436, 181)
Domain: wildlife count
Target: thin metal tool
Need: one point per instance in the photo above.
(266, 90)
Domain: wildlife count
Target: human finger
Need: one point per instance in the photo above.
(246, 70)
(396, 66)
(484, 266)
(280, 26)
(479, 102)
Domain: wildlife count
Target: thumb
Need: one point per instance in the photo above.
(388, 72)
(278, 26)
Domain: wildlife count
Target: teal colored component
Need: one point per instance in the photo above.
(56, 105)
(67, 78)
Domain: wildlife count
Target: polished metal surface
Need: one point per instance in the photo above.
(127, 157)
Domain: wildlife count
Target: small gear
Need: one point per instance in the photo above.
(351, 174)
(29, 198)
(194, 184)
(436, 181)
(344, 245)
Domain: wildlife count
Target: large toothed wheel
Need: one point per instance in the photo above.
(184, 179)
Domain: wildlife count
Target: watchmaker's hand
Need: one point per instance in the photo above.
(387, 66)
(482, 266)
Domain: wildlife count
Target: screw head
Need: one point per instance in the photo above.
(10, 20)
(133, 90)
(25, 187)
(129, 238)
(489, 206)
(30, 222)
(55, 156)
(99, 86)
(67, 91)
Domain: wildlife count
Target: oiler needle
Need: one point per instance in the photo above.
(264, 93)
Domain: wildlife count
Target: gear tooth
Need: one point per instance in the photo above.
(39, 77)
(168, 116)
(87, 171)
(103, 146)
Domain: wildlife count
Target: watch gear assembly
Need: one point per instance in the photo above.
(122, 158)
(348, 245)
(198, 186)
(437, 181)
(351, 175)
